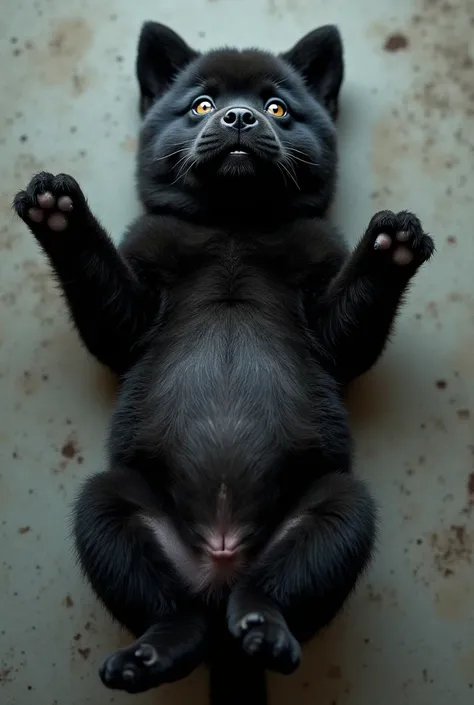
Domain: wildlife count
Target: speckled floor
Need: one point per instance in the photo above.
(407, 141)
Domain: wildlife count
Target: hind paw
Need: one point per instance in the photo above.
(136, 669)
(270, 641)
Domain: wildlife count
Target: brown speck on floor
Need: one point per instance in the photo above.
(451, 548)
(24, 530)
(463, 414)
(69, 449)
(334, 672)
(470, 486)
(68, 601)
(396, 42)
(451, 240)
(85, 653)
(441, 384)
(5, 675)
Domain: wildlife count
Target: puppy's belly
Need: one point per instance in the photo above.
(201, 572)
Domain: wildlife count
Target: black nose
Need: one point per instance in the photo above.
(239, 119)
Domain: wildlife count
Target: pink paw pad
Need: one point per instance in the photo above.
(55, 220)
(402, 255)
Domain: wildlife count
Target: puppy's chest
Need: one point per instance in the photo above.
(240, 268)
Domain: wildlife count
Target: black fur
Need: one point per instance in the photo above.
(234, 315)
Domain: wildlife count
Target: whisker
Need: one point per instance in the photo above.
(185, 161)
(182, 171)
(171, 154)
(282, 173)
(298, 159)
(290, 175)
(189, 169)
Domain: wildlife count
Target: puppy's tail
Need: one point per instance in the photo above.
(235, 677)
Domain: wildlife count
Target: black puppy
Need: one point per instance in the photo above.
(228, 524)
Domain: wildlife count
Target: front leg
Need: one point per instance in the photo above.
(108, 306)
(354, 321)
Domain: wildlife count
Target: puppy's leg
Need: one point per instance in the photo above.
(305, 574)
(131, 574)
(354, 322)
(107, 304)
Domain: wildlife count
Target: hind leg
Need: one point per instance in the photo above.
(133, 578)
(305, 574)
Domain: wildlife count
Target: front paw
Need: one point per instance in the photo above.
(50, 203)
(398, 239)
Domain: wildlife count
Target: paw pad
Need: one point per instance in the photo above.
(48, 201)
(401, 255)
(51, 211)
(400, 237)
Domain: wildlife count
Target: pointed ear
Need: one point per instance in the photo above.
(319, 58)
(161, 55)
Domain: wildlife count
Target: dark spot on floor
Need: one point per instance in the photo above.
(463, 413)
(69, 449)
(450, 548)
(441, 384)
(68, 601)
(451, 240)
(470, 486)
(77, 636)
(85, 653)
(334, 672)
(396, 42)
(24, 529)
(5, 675)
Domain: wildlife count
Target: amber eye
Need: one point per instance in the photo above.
(203, 105)
(276, 108)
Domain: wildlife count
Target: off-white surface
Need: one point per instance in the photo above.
(68, 103)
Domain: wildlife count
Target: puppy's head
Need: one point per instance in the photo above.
(236, 129)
